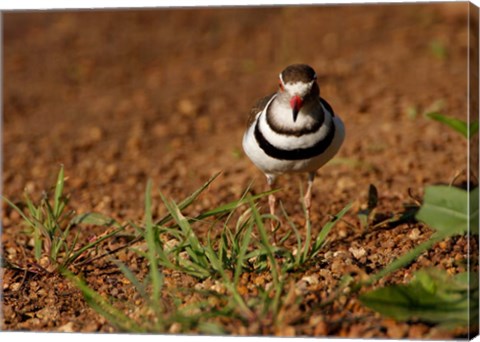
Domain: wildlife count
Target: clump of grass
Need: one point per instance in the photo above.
(243, 246)
(50, 222)
(179, 248)
(172, 243)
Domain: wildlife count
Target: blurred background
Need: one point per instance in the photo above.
(122, 96)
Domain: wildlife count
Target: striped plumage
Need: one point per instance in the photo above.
(294, 129)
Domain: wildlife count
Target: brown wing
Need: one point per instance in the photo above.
(258, 107)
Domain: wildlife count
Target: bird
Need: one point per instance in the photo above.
(293, 130)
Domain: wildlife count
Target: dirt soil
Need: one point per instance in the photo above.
(120, 97)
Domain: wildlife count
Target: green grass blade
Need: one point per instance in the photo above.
(304, 251)
(163, 257)
(37, 244)
(52, 220)
(243, 221)
(92, 244)
(132, 279)
(19, 211)
(103, 307)
(456, 124)
(217, 265)
(320, 240)
(229, 285)
(155, 275)
(60, 242)
(229, 243)
(269, 249)
(298, 256)
(210, 328)
(265, 241)
(58, 207)
(215, 261)
(71, 248)
(405, 259)
(172, 232)
(223, 245)
(189, 200)
(221, 251)
(191, 244)
(39, 228)
(35, 224)
(308, 239)
(242, 252)
(226, 208)
(256, 253)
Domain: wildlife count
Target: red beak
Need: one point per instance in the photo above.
(296, 103)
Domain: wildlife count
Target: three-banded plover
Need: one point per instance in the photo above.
(293, 130)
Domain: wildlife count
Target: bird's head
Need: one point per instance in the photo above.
(298, 85)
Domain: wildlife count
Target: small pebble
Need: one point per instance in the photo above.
(357, 252)
(414, 234)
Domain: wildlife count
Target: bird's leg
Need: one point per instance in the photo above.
(271, 204)
(307, 199)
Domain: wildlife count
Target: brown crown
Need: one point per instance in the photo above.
(298, 73)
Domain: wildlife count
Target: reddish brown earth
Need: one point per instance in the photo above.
(119, 97)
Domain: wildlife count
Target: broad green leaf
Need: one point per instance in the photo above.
(407, 302)
(445, 209)
(431, 296)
